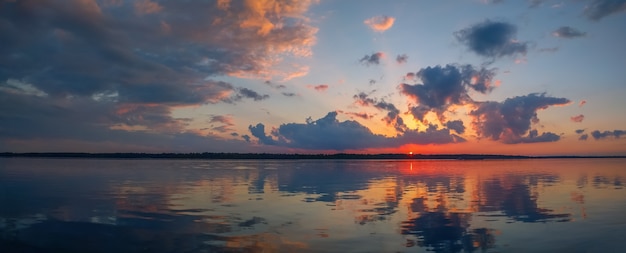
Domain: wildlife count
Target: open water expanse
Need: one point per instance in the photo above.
(91, 205)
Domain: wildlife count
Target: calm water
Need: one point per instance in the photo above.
(68, 205)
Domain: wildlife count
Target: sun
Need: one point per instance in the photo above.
(410, 152)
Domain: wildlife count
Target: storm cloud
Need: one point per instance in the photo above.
(492, 39)
(510, 121)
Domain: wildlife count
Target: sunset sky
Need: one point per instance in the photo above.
(536, 77)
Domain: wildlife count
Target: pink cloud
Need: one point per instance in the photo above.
(582, 102)
(578, 118)
(320, 87)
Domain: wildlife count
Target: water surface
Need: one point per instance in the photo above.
(91, 205)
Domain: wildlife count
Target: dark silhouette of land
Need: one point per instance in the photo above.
(285, 156)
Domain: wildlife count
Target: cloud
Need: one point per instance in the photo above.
(568, 32)
(258, 131)
(492, 1)
(379, 23)
(327, 133)
(151, 56)
(402, 58)
(36, 124)
(605, 134)
(580, 131)
(319, 87)
(393, 114)
(534, 137)
(289, 94)
(362, 115)
(143, 7)
(492, 39)
(226, 122)
(598, 9)
(535, 3)
(442, 87)
(583, 137)
(275, 86)
(248, 93)
(549, 49)
(372, 59)
(246, 137)
(581, 103)
(456, 125)
(209, 92)
(577, 118)
(510, 121)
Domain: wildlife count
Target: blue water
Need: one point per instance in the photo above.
(90, 205)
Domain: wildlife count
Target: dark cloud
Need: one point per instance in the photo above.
(149, 116)
(246, 137)
(372, 59)
(432, 135)
(225, 121)
(80, 125)
(535, 3)
(510, 121)
(362, 115)
(328, 133)
(533, 137)
(599, 9)
(258, 131)
(150, 57)
(456, 125)
(549, 49)
(207, 92)
(288, 94)
(583, 137)
(492, 39)
(319, 87)
(577, 118)
(442, 87)
(393, 114)
(605, 134)
(580, 131)
(402, 58)
(248, 93)
(275, 86)
(568, 32)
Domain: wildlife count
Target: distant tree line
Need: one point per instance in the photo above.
(240, 156)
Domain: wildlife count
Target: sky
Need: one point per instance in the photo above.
(536, 77)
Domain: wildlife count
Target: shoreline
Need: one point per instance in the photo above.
(267, 156)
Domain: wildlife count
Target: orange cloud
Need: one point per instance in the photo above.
(582, 102)
(380, 23)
